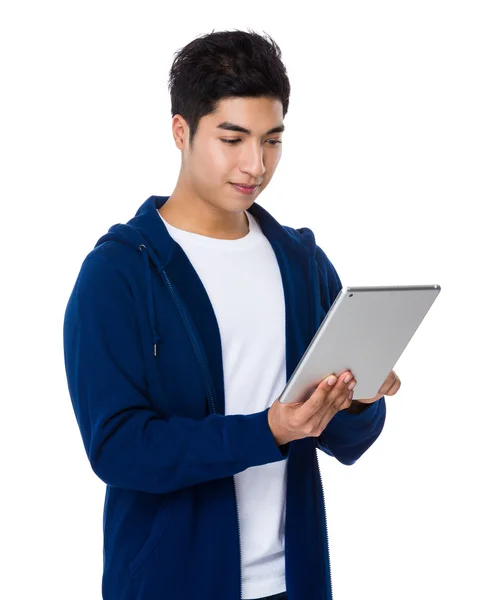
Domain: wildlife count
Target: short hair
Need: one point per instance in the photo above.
(225, 64)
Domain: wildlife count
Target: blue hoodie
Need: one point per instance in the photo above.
(144, 370)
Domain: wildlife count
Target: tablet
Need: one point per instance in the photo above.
(365, 330)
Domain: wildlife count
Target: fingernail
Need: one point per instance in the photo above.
(331, 380)
(352, 385)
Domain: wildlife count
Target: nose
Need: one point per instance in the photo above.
(253, 162)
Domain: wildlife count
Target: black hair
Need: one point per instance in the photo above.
(225, 64)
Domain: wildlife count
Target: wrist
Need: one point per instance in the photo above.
(276, 431)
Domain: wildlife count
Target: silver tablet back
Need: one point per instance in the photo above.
(366, 331)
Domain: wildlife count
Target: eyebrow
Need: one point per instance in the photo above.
(233, 127)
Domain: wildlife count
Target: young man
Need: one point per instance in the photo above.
(182, 329)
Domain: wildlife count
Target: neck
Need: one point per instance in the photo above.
(199, 217)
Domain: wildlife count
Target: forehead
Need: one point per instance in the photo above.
(256, 115)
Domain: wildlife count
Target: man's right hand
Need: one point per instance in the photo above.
(298, 420)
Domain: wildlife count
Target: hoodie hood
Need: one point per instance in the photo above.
(147, 234)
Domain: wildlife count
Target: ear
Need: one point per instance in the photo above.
(180, 131)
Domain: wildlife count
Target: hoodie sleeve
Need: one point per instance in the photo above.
(129, 444)
(348, 435)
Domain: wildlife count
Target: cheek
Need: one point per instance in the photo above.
(216, 157)
(271, 161)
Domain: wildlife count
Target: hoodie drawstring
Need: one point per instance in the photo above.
(150, 297)
(131, 236)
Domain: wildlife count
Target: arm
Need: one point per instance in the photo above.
(127, 442)
(348, 436)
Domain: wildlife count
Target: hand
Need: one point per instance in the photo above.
(390, 387)
(309, 418)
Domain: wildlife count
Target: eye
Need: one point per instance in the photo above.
(235, 141)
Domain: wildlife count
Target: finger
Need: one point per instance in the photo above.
(317, 399)
(328, 383)
(334, 388)
(391, 385)
(335, 397)
(394, 388)
(345, 383)
(388, 383)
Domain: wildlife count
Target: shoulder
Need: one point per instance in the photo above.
(111, 267)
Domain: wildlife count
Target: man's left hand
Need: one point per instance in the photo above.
(390, 387)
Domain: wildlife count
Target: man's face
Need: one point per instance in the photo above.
(221, 156)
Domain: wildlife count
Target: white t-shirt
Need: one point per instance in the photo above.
(243, 281)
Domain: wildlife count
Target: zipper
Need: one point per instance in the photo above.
(238, 524)
(203, 369)
(327, 533)
(318, 468)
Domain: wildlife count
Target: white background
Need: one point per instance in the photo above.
(386, 156)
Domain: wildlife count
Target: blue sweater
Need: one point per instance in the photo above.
(144, 370)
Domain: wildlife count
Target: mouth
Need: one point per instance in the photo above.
(245, 189)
